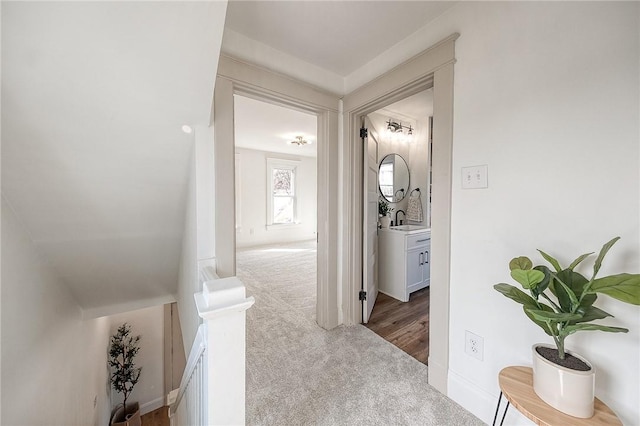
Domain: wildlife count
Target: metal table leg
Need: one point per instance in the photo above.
(495, 417)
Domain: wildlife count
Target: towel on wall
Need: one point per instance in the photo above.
(414, 206)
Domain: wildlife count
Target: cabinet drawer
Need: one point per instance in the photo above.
(418, 240)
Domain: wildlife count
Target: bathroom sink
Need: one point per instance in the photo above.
(408, 227)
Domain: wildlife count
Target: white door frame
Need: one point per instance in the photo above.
(431, 68)
(237, 77)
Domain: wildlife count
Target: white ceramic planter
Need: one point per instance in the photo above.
(566, 390)
(385, 221)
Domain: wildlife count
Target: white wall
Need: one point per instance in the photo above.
(198, 241)
(547, 95)
(54, 364)
(188, 283)
(419, 167)
(149, 324)
(253, 200)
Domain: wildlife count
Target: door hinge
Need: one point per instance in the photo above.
(362, 295)
(364, 132)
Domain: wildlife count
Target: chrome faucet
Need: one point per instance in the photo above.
(405, 216)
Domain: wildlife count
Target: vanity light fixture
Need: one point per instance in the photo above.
(396, 127)
(299, 140)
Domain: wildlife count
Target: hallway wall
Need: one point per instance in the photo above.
(54, 364)
(188, 282)
(547, 95)
(198, 239)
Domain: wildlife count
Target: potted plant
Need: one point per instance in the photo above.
(563, 379)
(383, 211)
(124, 374)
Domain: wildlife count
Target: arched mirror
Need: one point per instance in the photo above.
(393, 178)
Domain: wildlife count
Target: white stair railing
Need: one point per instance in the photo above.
(188, 403)
(212, 390)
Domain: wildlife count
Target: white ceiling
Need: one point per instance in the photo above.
(266, 127)
(417, 107)
(94, 95)
(94, 161)
(338, 36)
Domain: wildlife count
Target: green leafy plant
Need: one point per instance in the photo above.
(571, 310)
(122, 351)
(383, 207)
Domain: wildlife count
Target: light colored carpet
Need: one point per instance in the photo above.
(288, 271)
(300, 374)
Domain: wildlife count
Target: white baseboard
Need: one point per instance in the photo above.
(481, 403)
(151, 405)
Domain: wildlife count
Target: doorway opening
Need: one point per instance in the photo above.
(399, 146)
(433, 68)
(276, 202)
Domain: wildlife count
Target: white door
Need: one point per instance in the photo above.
(370, 225)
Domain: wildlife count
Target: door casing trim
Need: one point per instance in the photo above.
(431, 68)
(238, 77)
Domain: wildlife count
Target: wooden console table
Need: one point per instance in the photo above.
(516, 384)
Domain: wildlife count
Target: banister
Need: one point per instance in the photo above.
(195, 355)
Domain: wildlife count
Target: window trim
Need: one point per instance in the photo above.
(285, 164)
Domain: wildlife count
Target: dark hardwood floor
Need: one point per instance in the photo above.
(406, 325)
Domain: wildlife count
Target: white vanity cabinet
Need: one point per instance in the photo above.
(404, 261)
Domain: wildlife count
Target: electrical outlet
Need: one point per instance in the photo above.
(473, 345)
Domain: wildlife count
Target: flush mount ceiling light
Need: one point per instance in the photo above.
(396, 127)
(187, 129)
(299, 140)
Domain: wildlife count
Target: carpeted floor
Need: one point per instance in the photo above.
(300, 374)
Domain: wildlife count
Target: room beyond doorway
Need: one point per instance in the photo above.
(241, 78)
(276, 174)
(397, 284)
(276, 198)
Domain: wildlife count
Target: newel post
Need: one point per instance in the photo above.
(222, 305)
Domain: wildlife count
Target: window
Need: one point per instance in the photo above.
(386, 180)
(282, 199)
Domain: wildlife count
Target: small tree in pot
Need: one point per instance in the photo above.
(569, 311)
(124, 373)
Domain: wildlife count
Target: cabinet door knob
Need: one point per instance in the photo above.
(427, 253)
(421, 259)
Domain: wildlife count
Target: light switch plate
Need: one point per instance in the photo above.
(475, 177)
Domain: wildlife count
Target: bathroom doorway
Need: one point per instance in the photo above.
(403, 186)
(276, 202)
